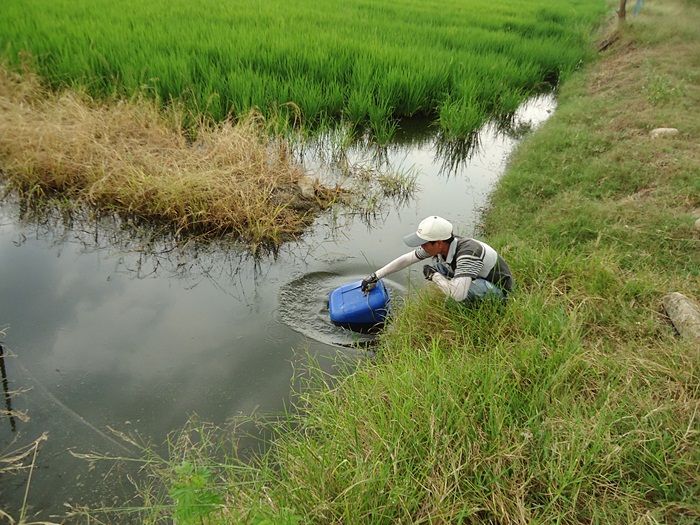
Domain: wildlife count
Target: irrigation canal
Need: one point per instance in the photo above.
(102, 333)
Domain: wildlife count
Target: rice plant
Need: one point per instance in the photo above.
(327, 58)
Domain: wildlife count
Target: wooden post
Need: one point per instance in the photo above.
(622, 12)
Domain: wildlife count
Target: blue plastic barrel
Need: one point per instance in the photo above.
(350, 308)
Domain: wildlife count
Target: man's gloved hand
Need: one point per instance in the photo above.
(368, 283)
(429, 271)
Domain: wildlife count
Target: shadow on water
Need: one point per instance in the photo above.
(117, 324)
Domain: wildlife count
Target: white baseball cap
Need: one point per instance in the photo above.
(433, 228)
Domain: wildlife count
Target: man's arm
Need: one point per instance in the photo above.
(456, 288)
(397, 264)
(369, 282)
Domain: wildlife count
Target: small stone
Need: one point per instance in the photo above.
(663, 132)
(697, 225)
(684, 315)
(306, 185)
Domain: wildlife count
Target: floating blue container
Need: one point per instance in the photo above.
(350, 308)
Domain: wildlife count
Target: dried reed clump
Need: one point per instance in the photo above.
(131, 157)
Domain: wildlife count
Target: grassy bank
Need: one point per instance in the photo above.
(576, 404)
(458, 61)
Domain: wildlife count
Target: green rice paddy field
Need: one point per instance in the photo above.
(305, 61)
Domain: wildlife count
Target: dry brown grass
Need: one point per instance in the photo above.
(130, 157)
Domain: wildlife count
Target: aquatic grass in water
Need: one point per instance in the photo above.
(328, 59)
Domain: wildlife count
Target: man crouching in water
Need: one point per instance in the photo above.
(467, 270)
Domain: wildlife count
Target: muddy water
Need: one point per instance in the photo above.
(106, 333)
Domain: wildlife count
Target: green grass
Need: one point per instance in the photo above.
(361, 61)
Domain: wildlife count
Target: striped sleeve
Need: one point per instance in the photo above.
(470, 258)
(469, 265)
(421, 253)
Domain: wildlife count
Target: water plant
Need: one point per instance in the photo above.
(245, 178)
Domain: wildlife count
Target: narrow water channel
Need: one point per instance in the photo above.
(102, 333)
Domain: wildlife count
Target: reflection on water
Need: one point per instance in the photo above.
(450, 157)
(6, 391)
(112, 324)
(454, 153)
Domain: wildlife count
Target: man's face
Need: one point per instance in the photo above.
(432, 247)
